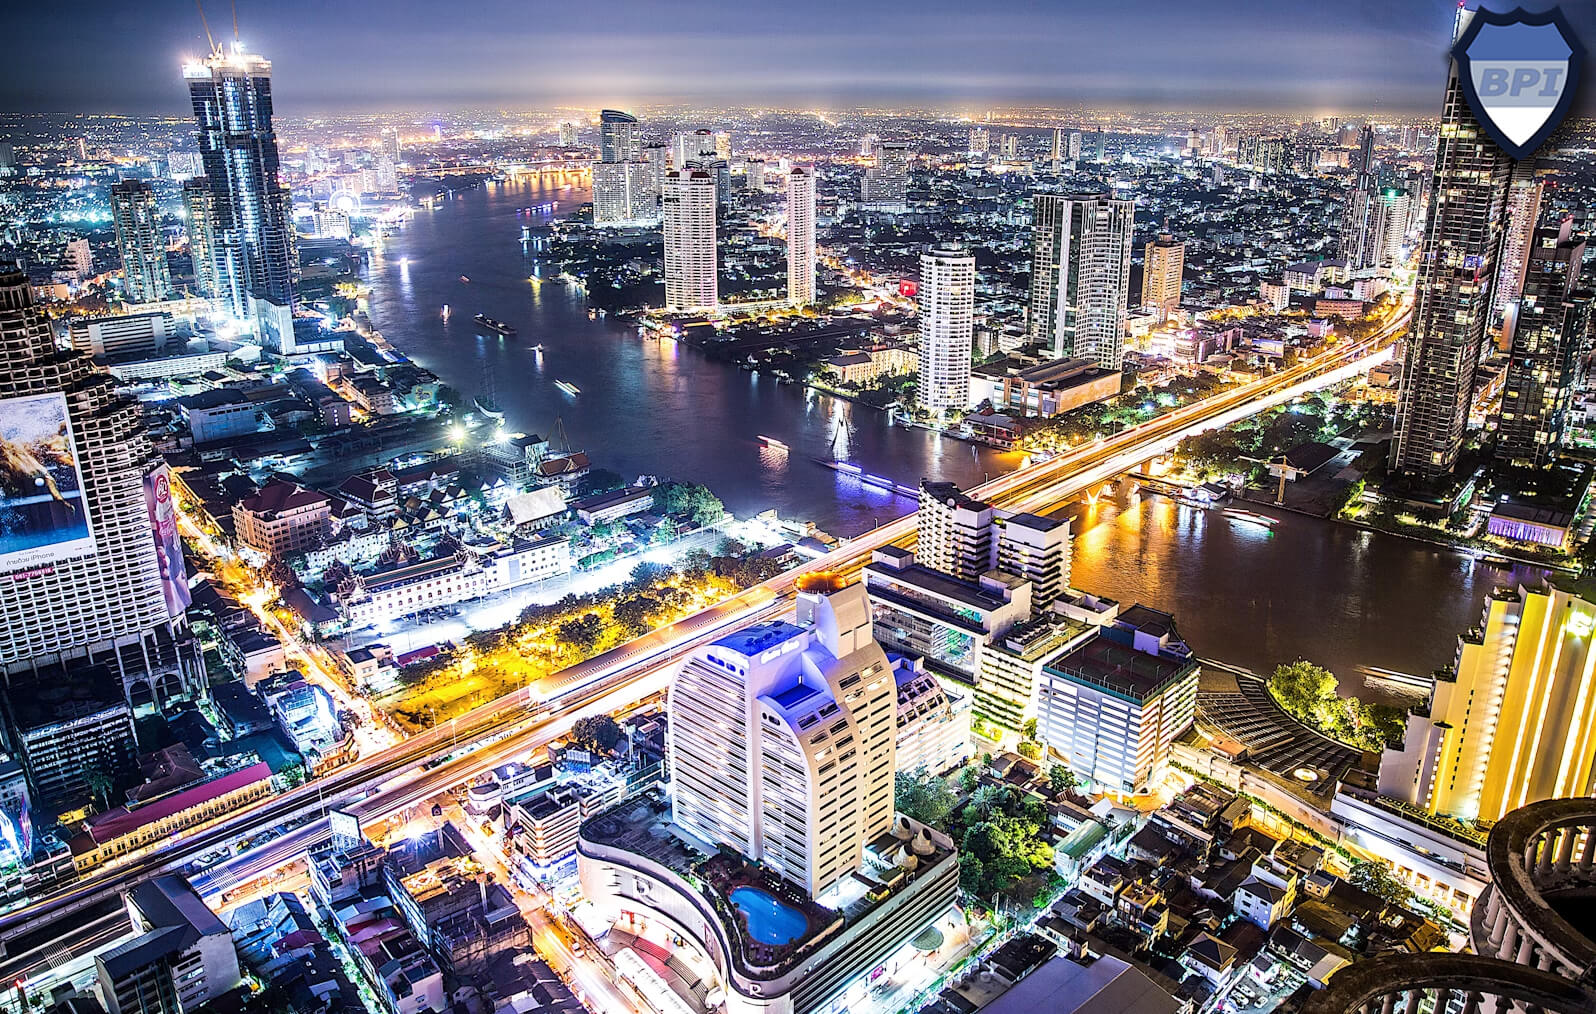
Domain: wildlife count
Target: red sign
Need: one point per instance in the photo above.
(908, 289)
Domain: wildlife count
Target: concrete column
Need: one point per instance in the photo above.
(1565, 848)
(1545, 962)
(1587, 857)
(1526, 949)
(1471, 1002)
(1388, 1003)
(1548, 850)
(1496, 917)
(1509, 940)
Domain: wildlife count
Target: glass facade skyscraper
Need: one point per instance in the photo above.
(253, 249)
(1452, 295)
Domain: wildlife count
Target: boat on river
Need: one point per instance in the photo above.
(498, 327)
(568, 387)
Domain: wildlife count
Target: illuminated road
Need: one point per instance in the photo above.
(393, 778)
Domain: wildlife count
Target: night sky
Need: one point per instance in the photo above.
(335, 55)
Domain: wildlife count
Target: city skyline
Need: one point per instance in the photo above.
(1231, 58)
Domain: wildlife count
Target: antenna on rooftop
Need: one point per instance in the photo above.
(206, 25)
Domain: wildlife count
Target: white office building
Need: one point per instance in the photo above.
(781, 740)
(801, 236)
(1080, 275)
(1115, 699)
(947, 328)
(965, 537)
(691, 282)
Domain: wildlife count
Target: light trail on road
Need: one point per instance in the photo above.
(523, 719)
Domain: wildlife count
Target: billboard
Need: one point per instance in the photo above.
(43, 515)
(168, 545)
(346, 830)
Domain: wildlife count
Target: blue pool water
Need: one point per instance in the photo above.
(769, 921)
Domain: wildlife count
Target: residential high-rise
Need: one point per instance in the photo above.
(1056, 154)
(691, 262)
(959, 535)
(980, 141)
(199, 222)
(1365, 153)
(801, 236)
(946, 300)
(1513, 721)
(1523, 217)
(1163, 264)
(867, 145)
(691, 146)
(658, 158)
(254, 250)
(137, 217)
(1010, 147)
(886, 184)
(1452, 297)
(89, 582)
(1554, 318)
(1080, 275)
(624, 194)
(1388, 226)
(568, 134)
(1075, 146)
(782, 739)
(624, 190)
(619, 140)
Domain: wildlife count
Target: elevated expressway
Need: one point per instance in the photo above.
(522, 720)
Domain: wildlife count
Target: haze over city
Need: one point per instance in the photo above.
(1223, 55)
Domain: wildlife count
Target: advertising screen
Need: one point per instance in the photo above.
(43, 515)
(168, 545)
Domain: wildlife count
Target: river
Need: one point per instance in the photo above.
(1345, 598)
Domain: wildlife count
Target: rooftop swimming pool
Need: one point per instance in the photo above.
(770, 921)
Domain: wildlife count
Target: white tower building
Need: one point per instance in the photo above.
(690, 256)
(1080, 275)
(782, 739)
(801, 236)
(947, 327)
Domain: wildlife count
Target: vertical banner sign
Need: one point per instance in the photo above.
(168, 545)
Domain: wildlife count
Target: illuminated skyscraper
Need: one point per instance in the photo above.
(1162, 266)
(1075, 146)
(1080, 275)
(254, 249)
(619, 140)
(801, 236)
(947, 328)
(624, 192)
(1523, 217)
(886, 184)
(1554, 318)
(1388, 226)
(1452, 298)
(692, 146)
(1057, 153)
(1514, 720)
(782, 738)
(83, 578)
(980, 141)
(137, 218)
(199, 221)
(568, 134)
(691, 263)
